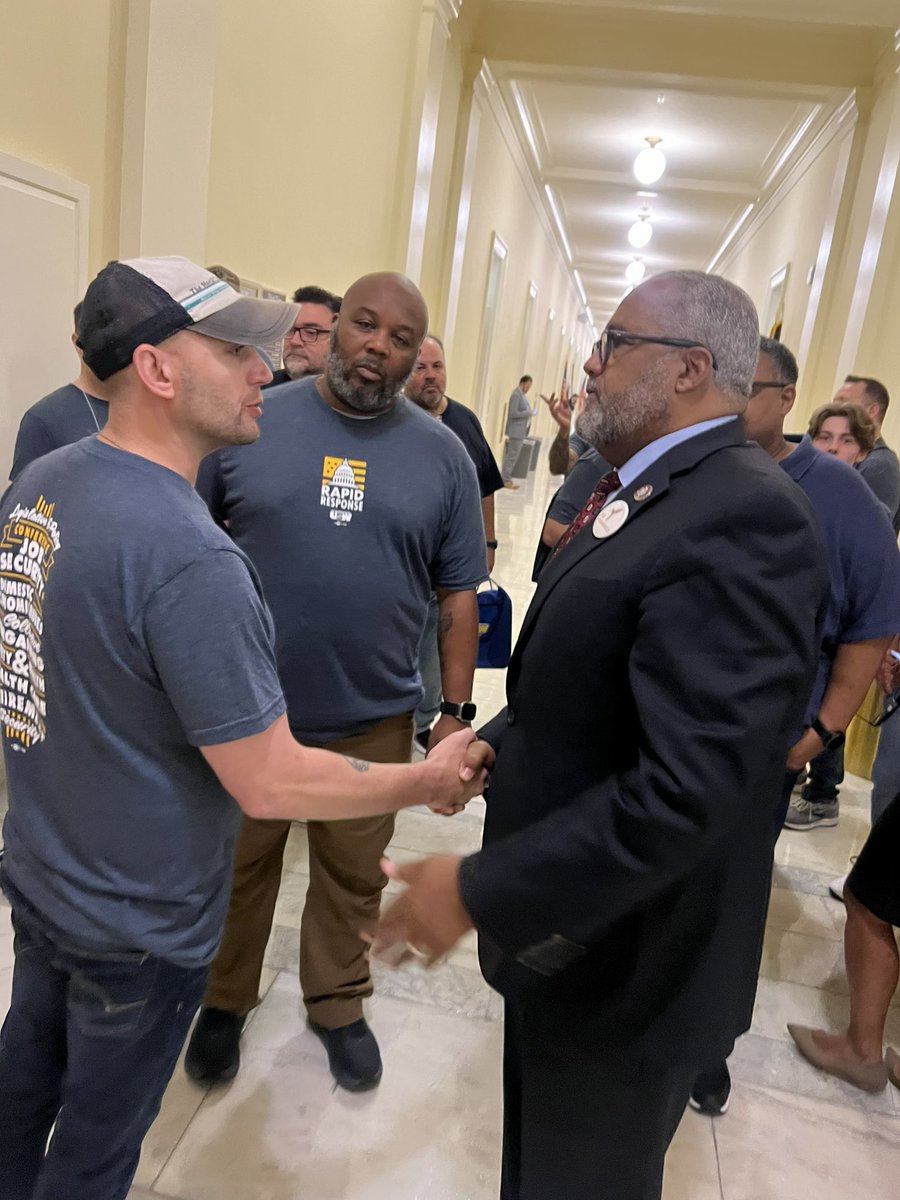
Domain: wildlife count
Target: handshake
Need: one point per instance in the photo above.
(455, 771)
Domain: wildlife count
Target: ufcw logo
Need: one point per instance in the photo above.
(343, 488)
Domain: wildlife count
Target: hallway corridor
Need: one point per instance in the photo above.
(431, 1131)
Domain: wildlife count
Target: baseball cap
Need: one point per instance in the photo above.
(146, 300)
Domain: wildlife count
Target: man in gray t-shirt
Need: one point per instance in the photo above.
(354, 506)
(139, 701)
(74, 411)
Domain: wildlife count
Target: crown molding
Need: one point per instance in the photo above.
(445, 12)
(840, 122)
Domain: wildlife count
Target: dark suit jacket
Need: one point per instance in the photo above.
(659, 678)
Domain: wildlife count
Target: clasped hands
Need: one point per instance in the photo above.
(430, 918)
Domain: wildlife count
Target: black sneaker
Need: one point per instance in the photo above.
(353, 1055)
(422, 736)
(213, 1053)
(711, 1092)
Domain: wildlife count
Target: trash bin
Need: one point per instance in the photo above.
(536, 452)
(523, 463)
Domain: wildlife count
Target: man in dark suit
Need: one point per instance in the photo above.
(659, 678)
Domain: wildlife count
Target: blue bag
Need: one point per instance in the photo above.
(494, 626)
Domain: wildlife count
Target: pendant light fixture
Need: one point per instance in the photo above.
(636, 270)
(650, 163)
(641, 231)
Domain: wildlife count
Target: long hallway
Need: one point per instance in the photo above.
(431, 1131)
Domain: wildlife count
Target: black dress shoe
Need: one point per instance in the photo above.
(711, 1092)
(353, 1055)
(213, 1053)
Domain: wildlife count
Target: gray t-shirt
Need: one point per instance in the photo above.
(881, 471)
(60, 418)
(351, 523)
(132, 632)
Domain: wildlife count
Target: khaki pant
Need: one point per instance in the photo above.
(344, 894)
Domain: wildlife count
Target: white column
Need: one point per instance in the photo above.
(169, 77)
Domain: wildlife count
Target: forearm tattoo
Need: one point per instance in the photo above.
(358, 764)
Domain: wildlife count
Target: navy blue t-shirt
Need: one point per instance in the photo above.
(60, 418)
(863, 559)
(133, 631)
(352, 523)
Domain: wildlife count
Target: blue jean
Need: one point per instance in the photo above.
(429, 669)
(826, 774)
(90, 1043)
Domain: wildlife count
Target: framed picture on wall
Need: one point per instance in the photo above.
(774, 314)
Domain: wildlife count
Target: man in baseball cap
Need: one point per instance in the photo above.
(139, 701)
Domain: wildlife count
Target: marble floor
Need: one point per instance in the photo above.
(282, 1131)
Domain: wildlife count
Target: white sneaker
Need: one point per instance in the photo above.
(836, 887)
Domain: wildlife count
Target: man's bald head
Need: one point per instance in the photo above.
(374, 343)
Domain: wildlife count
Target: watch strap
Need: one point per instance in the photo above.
(463, 712)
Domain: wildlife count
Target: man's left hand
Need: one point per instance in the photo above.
(428, 919)
(442, 727)
(809, 747)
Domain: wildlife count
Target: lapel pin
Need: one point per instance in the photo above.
(610, 519)
(645, 492)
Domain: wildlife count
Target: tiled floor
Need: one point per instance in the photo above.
(281, 1131)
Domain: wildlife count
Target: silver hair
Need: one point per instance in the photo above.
(721, 316)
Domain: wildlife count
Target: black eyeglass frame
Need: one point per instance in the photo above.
(309, 334)
(760, 385)
(611, 339)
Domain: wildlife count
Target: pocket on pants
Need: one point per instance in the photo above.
(108, 999)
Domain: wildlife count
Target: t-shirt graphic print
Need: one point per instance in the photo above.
(343, 488)
(27, 551)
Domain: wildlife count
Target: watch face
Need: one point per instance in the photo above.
(467, 711)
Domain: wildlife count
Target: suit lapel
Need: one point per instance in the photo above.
(657, 477)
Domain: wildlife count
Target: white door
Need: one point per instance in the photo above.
(43, 272)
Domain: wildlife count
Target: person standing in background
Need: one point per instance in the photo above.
(518, 420)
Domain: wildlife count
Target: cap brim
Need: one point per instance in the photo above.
(249, 322)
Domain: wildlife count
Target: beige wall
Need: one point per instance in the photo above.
(309, 111)
(501, 204)
(61, 87)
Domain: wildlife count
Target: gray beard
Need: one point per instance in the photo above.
(364, 400)
(614, 417)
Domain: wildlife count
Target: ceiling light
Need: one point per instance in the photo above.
(641, 231)
(635, 271)
(650, 163)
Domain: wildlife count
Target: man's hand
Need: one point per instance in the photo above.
(889, 674)
(428, 919)
(809, 747)
(458, 767)
(442, 728)
(559, 410)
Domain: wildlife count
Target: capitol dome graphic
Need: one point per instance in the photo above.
(343, 476)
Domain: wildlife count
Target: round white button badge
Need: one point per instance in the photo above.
(610, 519)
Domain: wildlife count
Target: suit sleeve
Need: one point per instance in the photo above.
(720, 669)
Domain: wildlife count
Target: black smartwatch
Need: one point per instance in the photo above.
(463, 712)
(491, 545)
(830, 740)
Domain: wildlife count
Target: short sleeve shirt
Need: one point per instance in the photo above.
(132, 632)
(352, 524)
(863, 559)
(60, 418)
(468, 429)
(576, 491)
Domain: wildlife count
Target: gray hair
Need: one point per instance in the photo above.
(719, 315)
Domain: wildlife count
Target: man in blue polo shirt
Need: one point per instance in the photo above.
(864, 605)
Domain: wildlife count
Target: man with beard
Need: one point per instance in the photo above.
(354, 507)
(305, 347)
(426, 387)
(662, 669)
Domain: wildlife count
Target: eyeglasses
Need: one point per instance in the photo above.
(760, 385)
(612, 339)
(308, 334)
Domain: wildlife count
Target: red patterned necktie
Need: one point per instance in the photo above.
(605, 487)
